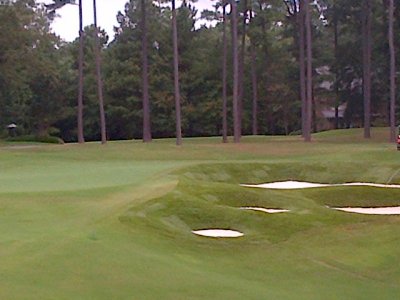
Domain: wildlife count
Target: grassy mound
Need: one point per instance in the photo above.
(209, 196)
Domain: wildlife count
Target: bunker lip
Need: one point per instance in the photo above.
(266, 210)
(388, 210)
(291, 185)
(218, 233)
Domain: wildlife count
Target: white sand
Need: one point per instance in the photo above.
(267, 210)
(393, 186)
(291, 185)
(395, 210)
(286, 185)
(218, 233)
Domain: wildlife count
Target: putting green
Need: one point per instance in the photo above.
(116, 221)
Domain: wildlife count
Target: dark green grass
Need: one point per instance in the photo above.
(115, 222)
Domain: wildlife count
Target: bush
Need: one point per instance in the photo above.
(296, 132)
(37, 139)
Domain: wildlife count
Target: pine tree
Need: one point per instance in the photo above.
(145, 80)
(99, 77)
(176, 77)
(81, 138)
(236, 114)
(366, 53)
(392, 72)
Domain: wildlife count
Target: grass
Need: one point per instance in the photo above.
(114, 222)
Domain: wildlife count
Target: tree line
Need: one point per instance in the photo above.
(255, 67)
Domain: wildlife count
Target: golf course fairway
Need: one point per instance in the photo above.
(115, 221)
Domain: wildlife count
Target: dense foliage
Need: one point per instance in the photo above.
(38, 71)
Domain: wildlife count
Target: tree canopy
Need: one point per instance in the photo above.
(39, 71)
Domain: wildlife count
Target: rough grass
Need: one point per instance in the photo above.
(114, 222)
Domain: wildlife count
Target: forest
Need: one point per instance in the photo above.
(261, 67)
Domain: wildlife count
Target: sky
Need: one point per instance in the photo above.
(67, 25)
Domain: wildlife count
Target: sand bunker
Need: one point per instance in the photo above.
(218, 233)
(395, 210)
(392, 186)
(286, 185)
(291, 185)
(266, 210)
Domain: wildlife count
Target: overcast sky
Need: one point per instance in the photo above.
(67, 24)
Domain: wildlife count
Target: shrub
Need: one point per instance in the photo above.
(37, 139)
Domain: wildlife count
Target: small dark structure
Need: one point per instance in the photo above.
(12, 128)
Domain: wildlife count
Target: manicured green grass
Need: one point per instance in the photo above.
(114, 222)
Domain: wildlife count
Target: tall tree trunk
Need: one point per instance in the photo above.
(236, 116)
(81, 138)
(176, 77)
(392, 74)
(145, 78)
(314, 124)
(254, 83)
(98, 77)
(336, 52)
(241, 66)
(302, 66)
(286, 115)
(309, 89)
(269, 121)
(366, 38)
(224, 80)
